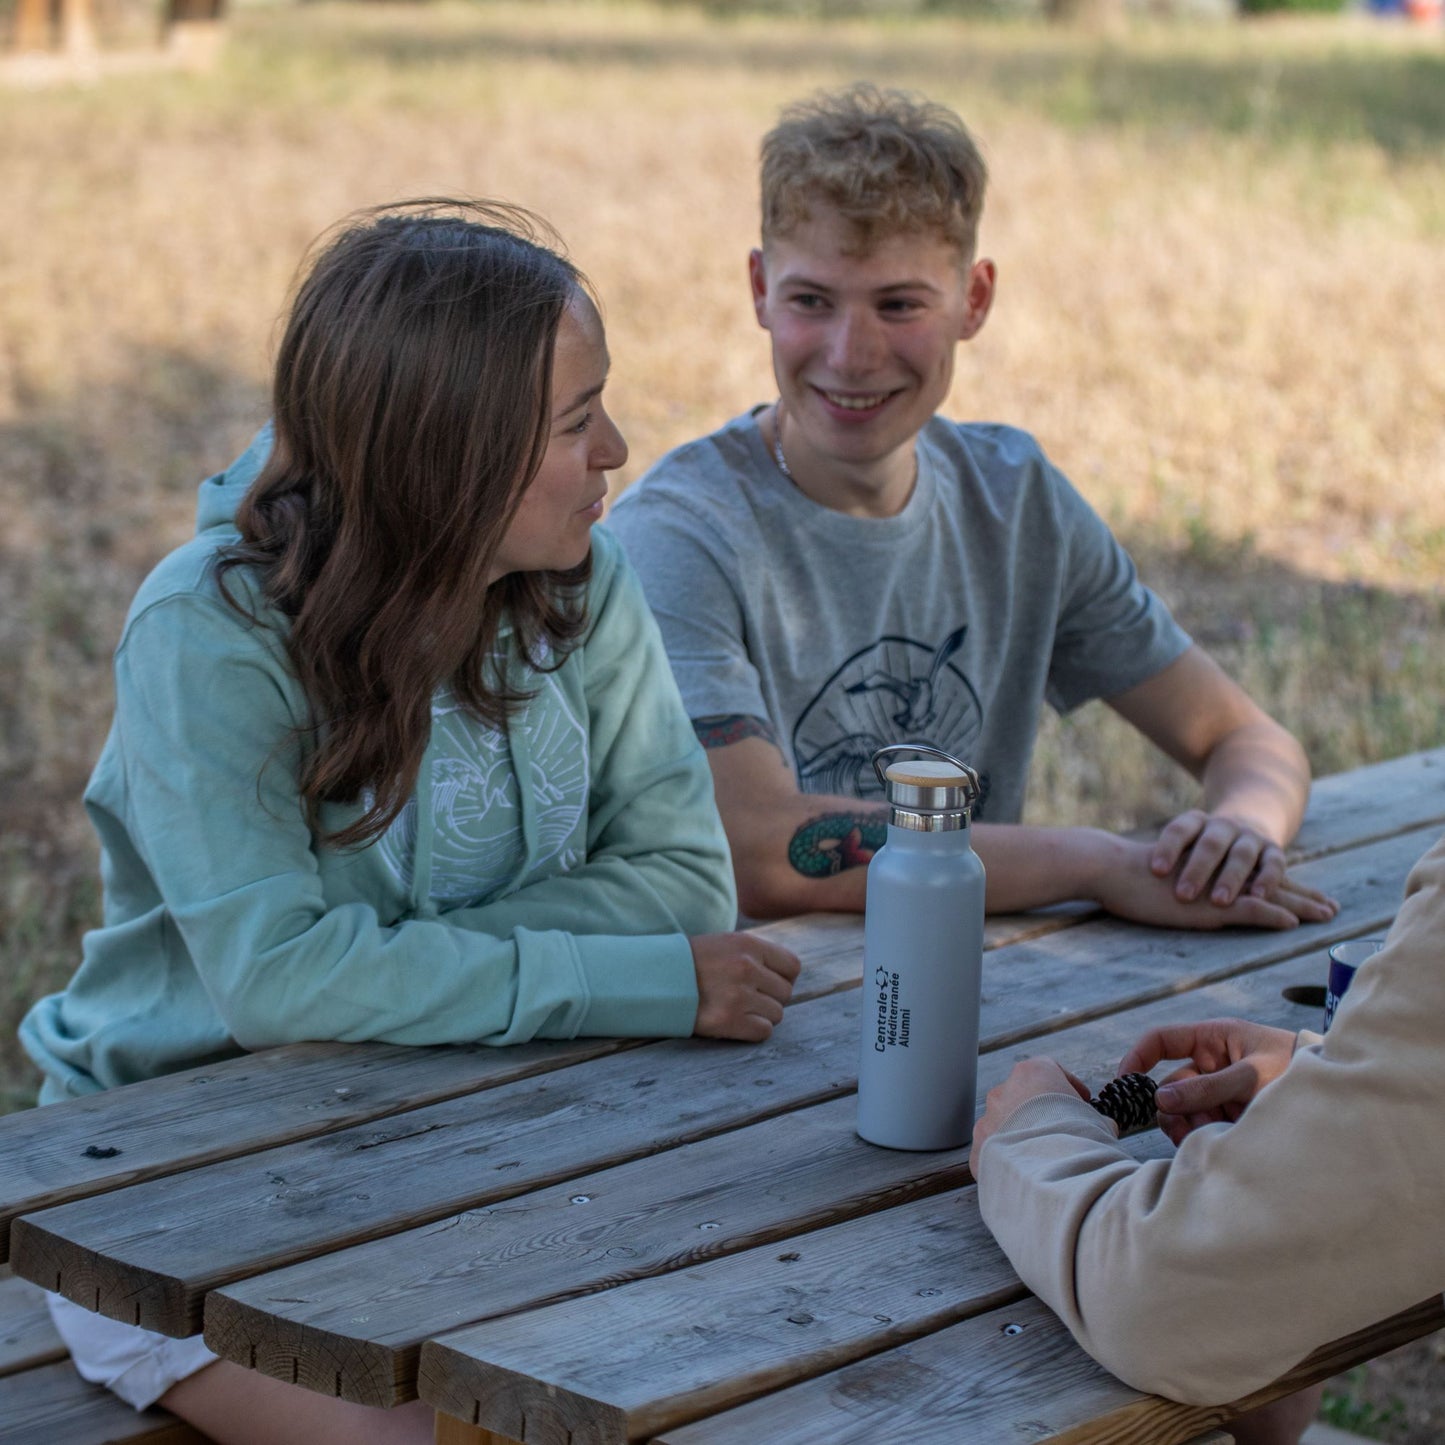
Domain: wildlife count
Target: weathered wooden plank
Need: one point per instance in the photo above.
(159, 1127)
(352, 1322)
(830, 945)
(153, 1129)
(1366, 804)
(1055, 981)
(27, 1337)
(1051, 980)
(53, 1404)
(320, 1322)
(1347, 811)
(104, 1141)
(230, 1108)
(1377, 870)
(234, 1107)
(1019, 1358)
(704, 1339)
(693, 1342)
(149, 1255)
(700, 1340)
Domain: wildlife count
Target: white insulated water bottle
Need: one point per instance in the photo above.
(922, 958)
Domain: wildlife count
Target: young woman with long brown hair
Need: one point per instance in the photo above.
(397, 754)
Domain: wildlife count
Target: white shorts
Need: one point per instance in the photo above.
(138, 1365)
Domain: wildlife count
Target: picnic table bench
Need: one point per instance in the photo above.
(681, 1241)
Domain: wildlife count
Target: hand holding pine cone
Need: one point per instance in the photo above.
(1129, 1102)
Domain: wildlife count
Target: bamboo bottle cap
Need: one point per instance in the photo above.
(925, 773)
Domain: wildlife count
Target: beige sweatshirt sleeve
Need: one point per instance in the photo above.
(1319, 1212)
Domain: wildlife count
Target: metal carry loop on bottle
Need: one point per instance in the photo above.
(922, 808)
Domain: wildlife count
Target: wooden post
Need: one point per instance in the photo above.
(34, 25)
(451, 1431)
(180, 11)
(77, 28)
(192, 30)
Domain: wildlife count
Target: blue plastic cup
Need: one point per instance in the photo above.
(1345, 959)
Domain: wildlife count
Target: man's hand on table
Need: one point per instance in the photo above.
(1230, 1061)
(743, 981)
(1027, 1080)
(1126, 882)
(1222, 859)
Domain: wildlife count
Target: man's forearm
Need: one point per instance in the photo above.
(1259, 775)
(1025, 867)
(793, 852)
(827, 862)
(1029, 867)
(796, 852)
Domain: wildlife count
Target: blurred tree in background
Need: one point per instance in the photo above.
(80, 27)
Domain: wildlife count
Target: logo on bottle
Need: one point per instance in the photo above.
(893, 1020)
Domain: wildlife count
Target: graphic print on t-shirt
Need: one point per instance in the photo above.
(477, 843)
(895, 690)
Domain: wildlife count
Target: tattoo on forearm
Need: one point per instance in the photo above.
(719, 732)
(836, 841)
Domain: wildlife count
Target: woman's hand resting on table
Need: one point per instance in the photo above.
(743, 981)
(1230, 1061)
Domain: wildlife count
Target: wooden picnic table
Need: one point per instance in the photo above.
(681, 1241)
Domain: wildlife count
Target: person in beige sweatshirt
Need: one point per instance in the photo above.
(1303, 1202)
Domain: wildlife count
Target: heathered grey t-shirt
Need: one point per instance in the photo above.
(995, 589)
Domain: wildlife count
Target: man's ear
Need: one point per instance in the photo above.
(758, 280)
(982, 282)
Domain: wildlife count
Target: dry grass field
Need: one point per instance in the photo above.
(1222, 260)
(1221, 266)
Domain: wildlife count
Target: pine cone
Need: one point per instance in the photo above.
(1129, 1102)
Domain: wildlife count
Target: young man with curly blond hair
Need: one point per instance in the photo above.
(843, 568)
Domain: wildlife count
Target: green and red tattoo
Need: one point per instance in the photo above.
(836, 841)
(824, 846)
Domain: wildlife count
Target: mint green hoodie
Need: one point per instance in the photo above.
(541, 883)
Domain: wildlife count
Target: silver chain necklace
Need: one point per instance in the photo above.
(778, 456)
(782, 461)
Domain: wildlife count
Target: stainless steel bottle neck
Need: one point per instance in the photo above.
(934, 795)
(927, 822)
(946, 798)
